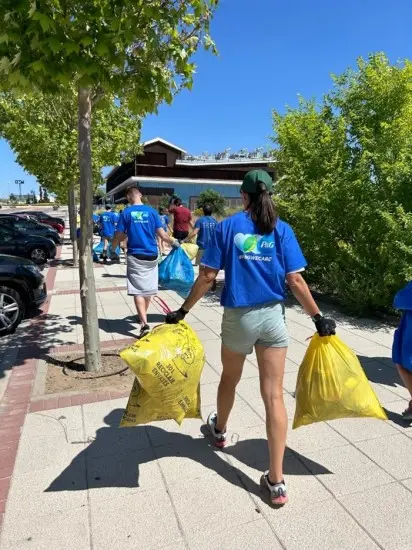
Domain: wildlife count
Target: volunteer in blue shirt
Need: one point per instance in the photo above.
(107, 222)
(164, 218)
(204, 229)
(258, 253)
(141, 224)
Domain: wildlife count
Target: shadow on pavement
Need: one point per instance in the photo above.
(381, 370)
(114, 450)
(37, 336)
(115, 275)
(126, 326)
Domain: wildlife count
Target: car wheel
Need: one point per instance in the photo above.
(12, 310)
(39, 255)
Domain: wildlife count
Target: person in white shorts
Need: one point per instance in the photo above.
(141, 224)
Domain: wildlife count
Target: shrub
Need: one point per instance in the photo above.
(346, 186)
(212, 198)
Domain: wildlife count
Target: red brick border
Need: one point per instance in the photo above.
(16, 400)
(73, 400)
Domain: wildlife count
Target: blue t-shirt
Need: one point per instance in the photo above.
(206, 226)
(107, 223)
(140, 223)
(255, 265)
(165, 221)
(116, 218)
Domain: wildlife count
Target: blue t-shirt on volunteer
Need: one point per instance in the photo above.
(165, 221)
(116, 218)
(255, 265)
(206, 226)
(140, 223)
(107, 223)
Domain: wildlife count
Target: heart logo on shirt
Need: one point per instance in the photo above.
(254, 244)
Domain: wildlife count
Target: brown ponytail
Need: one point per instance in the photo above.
(262, 210)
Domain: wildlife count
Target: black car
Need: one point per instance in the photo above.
(21, 286)
(20, 243)
(30, 225)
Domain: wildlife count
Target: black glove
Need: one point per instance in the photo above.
(324, 326)
(175, 316)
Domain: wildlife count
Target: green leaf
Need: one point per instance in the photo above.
(32, 9)
(55, 44)
(4, 64)
(86, 41)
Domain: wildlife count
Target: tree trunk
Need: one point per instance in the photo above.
(73, 223)
(87, 284)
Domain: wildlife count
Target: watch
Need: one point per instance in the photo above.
(317, 317)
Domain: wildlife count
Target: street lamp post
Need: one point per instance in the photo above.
(19, 183)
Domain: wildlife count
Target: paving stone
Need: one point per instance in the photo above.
(318, 526)
(314, 437)
(223, 502)
(361, 429)
(48, 451)
(350, 470)
(390, 454)
(385, 513)
(53, 422)
(144, 520)
(190, 460)
(50, 491)
(68, 529)
(118, 475)
(254, 535)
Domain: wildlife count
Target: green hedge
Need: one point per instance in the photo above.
(345, 184)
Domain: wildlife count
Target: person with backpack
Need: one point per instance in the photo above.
(259, 253)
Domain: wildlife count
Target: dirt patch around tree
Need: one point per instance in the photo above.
(66, 373)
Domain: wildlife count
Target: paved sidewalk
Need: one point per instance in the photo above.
(81, 482)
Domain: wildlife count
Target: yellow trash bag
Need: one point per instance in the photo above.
(190, 249)
(168, 364)
(332, 384)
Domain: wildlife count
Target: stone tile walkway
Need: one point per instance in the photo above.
(78, 481)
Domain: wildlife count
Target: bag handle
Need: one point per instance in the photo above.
(162, 304)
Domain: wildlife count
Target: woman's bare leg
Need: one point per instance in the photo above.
(406, 377)
(232, 373)
(271, 363)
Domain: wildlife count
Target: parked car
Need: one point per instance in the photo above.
(43, 217)
(21, 286)
(21, 243)
(31, 225)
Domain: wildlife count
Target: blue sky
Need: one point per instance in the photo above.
(269, 52)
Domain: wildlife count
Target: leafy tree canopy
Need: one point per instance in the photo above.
(141, 48)
(345, 168)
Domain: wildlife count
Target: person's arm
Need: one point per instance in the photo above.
(166, 237)
(192, 234)
(303, 295)
(119, 236)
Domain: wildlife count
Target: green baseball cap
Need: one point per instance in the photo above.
(252, 180)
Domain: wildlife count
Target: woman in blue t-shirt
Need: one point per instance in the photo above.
(258, 253)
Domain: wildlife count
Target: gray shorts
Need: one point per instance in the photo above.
(142, 277)
(245, 327)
